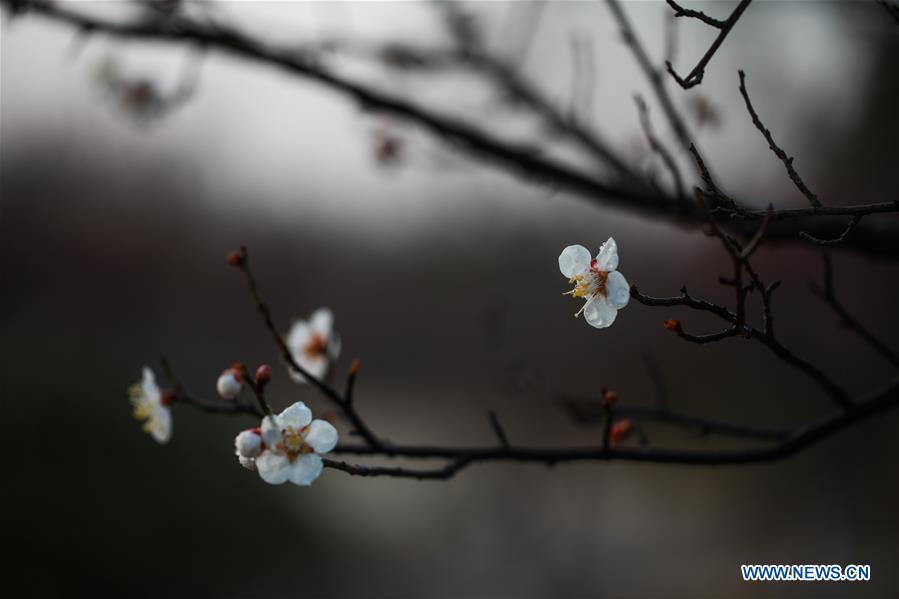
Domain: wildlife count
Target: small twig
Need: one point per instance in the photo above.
(680, 11)
(787, 160)
(351, 382)
(587, 411)
(828, 295)
(498, 429)
(659, 148)
(346, 407)
(444, 473)
(759, 235)
(853, 222)
(695, 76)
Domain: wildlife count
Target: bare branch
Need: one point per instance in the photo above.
(680, 11)
(828, 295)
(853, 222)
(787, 160)
(695, 76)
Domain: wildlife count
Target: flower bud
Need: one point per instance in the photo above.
(248, 444)
(609, 398)
(235, 259)
(263, 375)
(230, 383)
(673, 325)
(620, 430)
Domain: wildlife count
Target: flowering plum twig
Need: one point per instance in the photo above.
(619, 421)
(241, 260)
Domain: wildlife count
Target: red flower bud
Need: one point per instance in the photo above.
(263, 375)
(609, 398)
(673, 325)
(235, 259)
(620, 430)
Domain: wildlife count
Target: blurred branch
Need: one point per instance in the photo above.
(828, 295)
(892, 9)
(628, 194)
(695, 76)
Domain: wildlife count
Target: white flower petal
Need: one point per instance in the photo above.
(274, 468)
(298, 337)
(599, 313)
(618, 290)
(322, 436)
(574, 260)
(316, 365)
(161, 428)
(296, 416)
(334, 346)
(607, 258)
(321, 322)
(271, 431)
(148, 384)
(248, 463)
(305, 469)
(248, 444)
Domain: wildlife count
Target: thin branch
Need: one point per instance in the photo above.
(515, 158)
(853, 222)
(329, 392)
(695, 76)
(589, 410)
(836, 393)
(659, 148)
(653, 74)
(878, 401)
(828, 295)
(445, 473)
(787, 160)
(680, 11)
(498, 429)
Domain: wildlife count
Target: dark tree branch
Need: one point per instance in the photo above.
(589, 411)
(680, 11)
(518, 159)
(892, 9)
(787, 160)
(828, 295)
(659, 148)
(853, 222)
(695, 76)
(498, 429)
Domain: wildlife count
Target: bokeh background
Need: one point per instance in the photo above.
(442, 273)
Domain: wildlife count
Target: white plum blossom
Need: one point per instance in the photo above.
(597, 280)
(248, 445)
(313, 344)
(229, 383)
(291, 445)
(151, 407)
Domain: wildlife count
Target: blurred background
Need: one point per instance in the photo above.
(117, 214)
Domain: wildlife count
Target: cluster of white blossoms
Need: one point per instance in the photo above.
(287, 447)
(313, 344)
(151, 406)
(597, 280)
